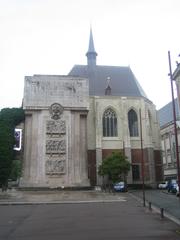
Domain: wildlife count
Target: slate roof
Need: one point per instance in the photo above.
(122, 80)
(165, 114)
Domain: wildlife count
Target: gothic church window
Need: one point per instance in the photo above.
(109, 123)
(133, 123)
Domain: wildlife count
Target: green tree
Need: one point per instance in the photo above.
(115, 167)
(9, 118)
(12, 116)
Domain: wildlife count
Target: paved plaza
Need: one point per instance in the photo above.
(71, 215)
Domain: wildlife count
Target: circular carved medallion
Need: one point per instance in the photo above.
(56, 110)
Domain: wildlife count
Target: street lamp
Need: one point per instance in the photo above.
(142, 160)
(174, 117)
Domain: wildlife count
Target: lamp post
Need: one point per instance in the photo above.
(142, 160)
(174, 118)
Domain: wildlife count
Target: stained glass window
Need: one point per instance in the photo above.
(133, 123)
(109, 123)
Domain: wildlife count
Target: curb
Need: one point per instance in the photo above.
(62, 202)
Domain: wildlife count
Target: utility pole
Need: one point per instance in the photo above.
(174, 117)
(142, 160)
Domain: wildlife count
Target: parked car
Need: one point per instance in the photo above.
(172, 185)
(120, 187)
(163, 185)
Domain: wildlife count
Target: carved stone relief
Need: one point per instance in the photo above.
(55, 127)
(55, 146)
(56, 110)
(55, 142)
(56, 165)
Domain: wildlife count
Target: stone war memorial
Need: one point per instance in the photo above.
(55, 141)
(73, 122)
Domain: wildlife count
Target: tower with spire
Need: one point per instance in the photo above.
(116, 88)
(91, 53)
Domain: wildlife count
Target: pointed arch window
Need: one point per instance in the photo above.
(133, 123)
(109, 123)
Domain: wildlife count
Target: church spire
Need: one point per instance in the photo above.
(91, 54)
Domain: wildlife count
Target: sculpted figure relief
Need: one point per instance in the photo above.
(55, 146)
(56, 127)
(56, 110)
(55, 166)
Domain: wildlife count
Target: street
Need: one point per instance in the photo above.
(161, 199)
(70, 221)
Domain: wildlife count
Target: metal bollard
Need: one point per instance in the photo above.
(150, 206)
(162, 212)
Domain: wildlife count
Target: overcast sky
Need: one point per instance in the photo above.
(50, 36)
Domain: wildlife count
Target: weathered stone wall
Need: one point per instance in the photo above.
(55, 151)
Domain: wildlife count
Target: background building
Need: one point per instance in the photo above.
(176, 78)
(168, 138)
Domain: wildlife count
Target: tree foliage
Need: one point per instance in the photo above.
(115, 167)
(16, 170)
(9, 118)
(12, 116)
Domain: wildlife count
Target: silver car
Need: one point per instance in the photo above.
(163, 185)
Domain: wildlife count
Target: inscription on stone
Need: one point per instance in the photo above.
(42, 91)
(55, 127)
(56, 166)
(55, 146)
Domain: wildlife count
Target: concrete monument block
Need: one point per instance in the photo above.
(55, 131)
